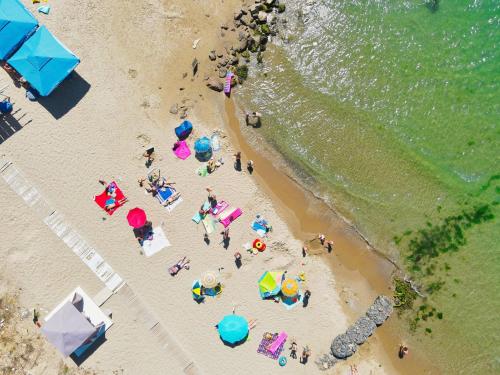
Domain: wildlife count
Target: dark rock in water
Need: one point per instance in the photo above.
(361, 330)
(326, 361)
(215, 84)
(342, 346)
(212, 56)
(174, 109)
(380, 310)
(222, 72)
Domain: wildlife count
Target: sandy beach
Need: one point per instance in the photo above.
(135, 64)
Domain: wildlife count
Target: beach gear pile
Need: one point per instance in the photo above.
(276, 286)
(272, 345)
(208, 285)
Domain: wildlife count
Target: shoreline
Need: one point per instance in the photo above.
(353, 258)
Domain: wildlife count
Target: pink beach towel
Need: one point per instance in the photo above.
(278, 342)
(227, 85)
(231, 217)
(221, 206)
(181, 150)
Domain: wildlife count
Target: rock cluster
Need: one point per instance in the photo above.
(346, 344)
(254, 24)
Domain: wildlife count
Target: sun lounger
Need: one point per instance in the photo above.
(262, 349)
(228, 219)
(103, 197)
(197, 217)
(279, 342)
(217, 210)
(156, 244)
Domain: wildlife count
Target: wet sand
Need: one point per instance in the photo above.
(364, 272)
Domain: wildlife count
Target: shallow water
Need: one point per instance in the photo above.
(393, 109)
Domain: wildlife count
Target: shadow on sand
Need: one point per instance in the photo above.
(66, 96)
(9, 125)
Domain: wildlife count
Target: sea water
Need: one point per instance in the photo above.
(393, 107)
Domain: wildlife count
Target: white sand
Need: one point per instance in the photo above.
(103, 137)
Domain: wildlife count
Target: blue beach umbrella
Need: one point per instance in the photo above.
(203, 149)
(44, 61)
(233, 329)
(16, 24)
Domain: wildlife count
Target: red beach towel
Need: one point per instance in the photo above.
(102, 198)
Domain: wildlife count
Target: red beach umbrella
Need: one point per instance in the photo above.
(136, 217)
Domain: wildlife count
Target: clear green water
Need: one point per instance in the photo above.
(395, 110)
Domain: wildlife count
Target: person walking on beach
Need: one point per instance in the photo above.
(253, 119)
(237, 161)
(293, 350)
(403, 351)
(305, 250)
(329, 246)
(307, 295)
(237, 260)
(321, 238)
(149, 154)
(225, 238)
(250, 166)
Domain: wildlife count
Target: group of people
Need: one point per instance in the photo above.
(237, 163)
(306, 352)
(154, 184)
(111, 202)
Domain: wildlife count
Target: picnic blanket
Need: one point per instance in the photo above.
(102, 198)
(158, 243)
(164, 194)
(264, 343)
(221, 206)
(197, 217)
(228, 219)
(181, 150)
(210, 224)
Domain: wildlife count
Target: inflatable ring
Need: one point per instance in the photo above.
(282, 361)
(259, 245)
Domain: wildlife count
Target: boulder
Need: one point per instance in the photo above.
(342, 346)
(215, 84)
(234, 60)
(255, 8)
(222, 72)
(262, 16)
(212, 56)
(252, 25)
(241, 46)
(361, 330)
(240, 13)
(326, 361)
(174, 109)
(269, 2)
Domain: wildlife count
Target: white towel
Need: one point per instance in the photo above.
(158, 243)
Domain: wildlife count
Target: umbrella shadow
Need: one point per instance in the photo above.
(236, 343)
(66, 96)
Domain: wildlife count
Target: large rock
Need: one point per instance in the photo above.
(240, 13)
(361, 330)
(254, 9)
(222, 72)
(212, 56)
(215, 84)
(380, 310)
(343, 347)
(241, 46)
(326, 361)
(262, 16)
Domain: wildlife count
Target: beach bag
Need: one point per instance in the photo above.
(183, 130)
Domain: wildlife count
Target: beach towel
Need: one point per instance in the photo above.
(164, 194)
(104, 197)
(181, 150)
(197, 217)
(280, 340)
(221, 206)
(227, 84)
(231, 217)
(265, 342)
(158, 243)
(260, 229)
(209, 223)
(202, 171)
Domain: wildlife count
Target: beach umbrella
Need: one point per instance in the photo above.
(233, 329)
(16, 24)
(268, 284)
(196, 290)
(44, 61)
(290, 288)
(203, 149)
(136, 217)
(209, 280)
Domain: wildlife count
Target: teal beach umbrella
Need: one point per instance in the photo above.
(233, 329)
(16, 24)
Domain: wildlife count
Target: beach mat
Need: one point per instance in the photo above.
(210, 224)
(102, 198)
(181, 150)
(197, 217)
(264, 343)
(158, 243)
(217, 210)
(202, 171)
(228, 219)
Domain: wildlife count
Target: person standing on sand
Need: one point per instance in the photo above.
(293, 350)
(250, 166)
(305, 355)
(307, 295)
(305, 250)
(237, 161)
(329, 246)
(321, 238)
(403, 351)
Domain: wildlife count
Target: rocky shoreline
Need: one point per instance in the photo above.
(253, 26)
(346, 344)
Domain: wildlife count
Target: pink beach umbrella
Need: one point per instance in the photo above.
(136, 217)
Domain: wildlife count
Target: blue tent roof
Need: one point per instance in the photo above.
(44, 61)
(16, 23)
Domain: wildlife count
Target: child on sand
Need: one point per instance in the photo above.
(293, 350)
(305, 355)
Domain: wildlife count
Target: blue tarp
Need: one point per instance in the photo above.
(44, 61)
(16, 24)
(183, 130)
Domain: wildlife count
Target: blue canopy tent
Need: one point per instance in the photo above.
(44, 61)
(16, 25)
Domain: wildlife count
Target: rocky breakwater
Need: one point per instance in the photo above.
(346, 344)
(252, 27)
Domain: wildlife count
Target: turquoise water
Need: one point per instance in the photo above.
(394, 109)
